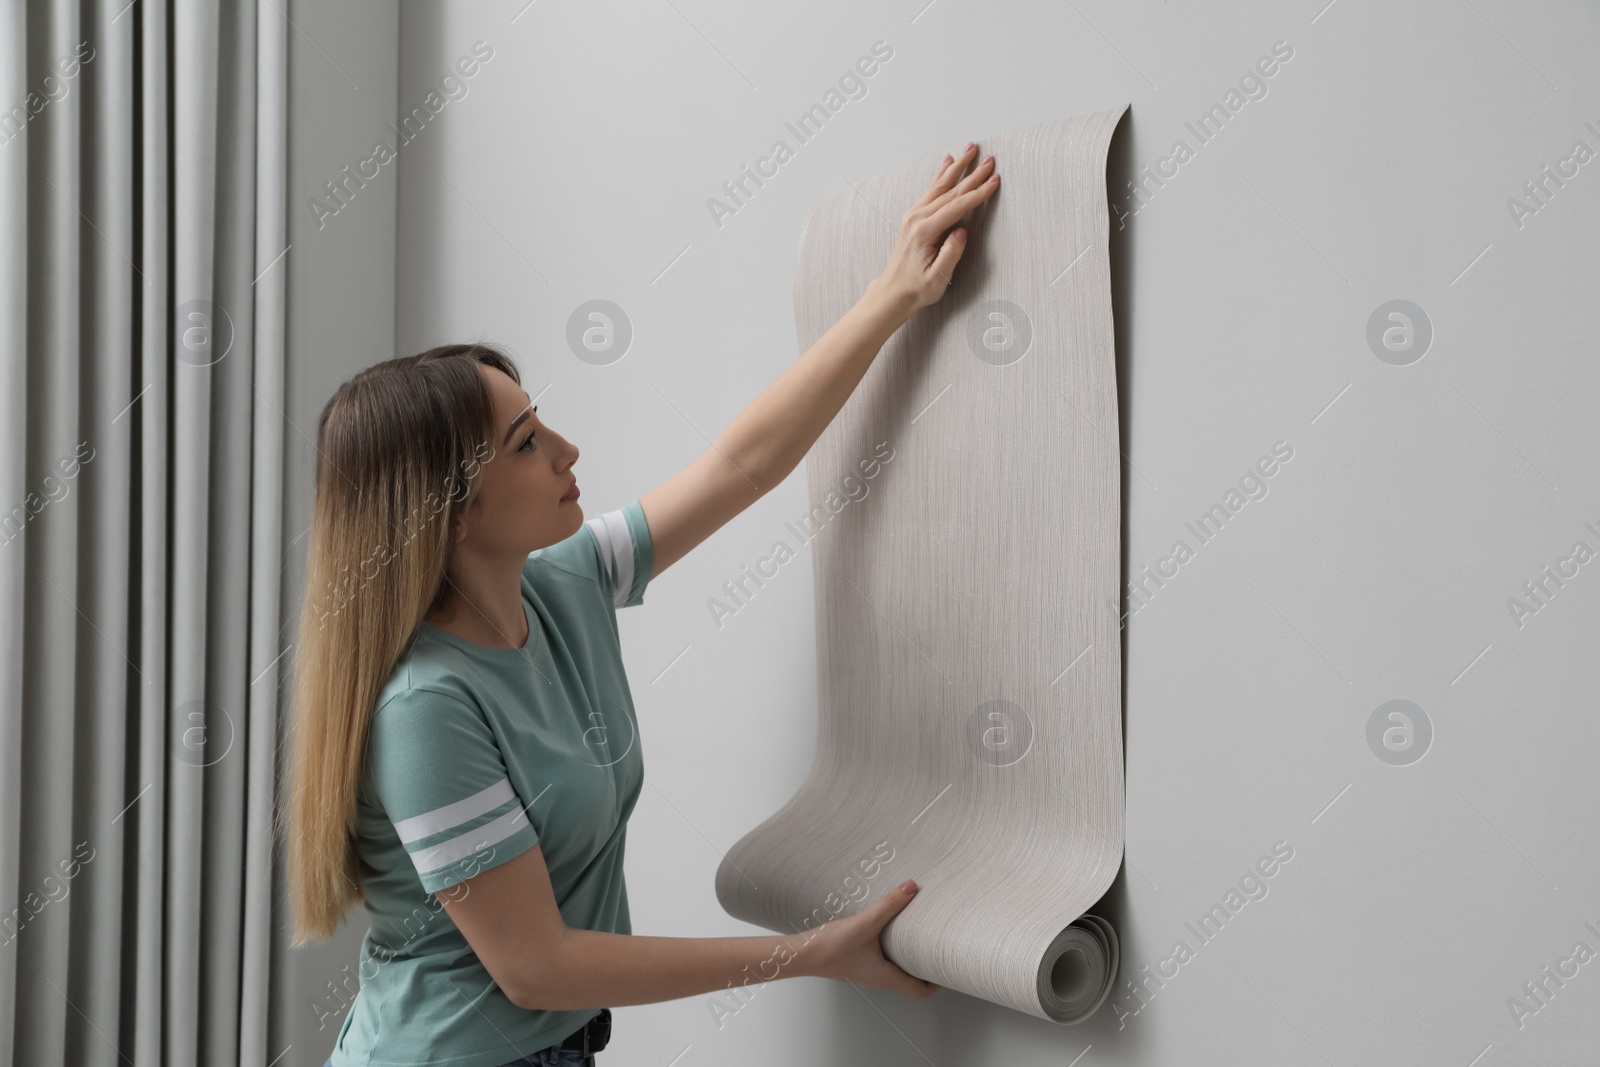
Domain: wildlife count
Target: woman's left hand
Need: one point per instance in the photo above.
(922, 264)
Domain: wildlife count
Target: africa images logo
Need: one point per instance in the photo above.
(609, 735)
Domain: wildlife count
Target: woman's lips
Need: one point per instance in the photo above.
(572, 494)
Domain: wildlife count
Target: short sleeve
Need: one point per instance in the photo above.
(623, 539)
(439, 776)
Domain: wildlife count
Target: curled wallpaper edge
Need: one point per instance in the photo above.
(966, 530)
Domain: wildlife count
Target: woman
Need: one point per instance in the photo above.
(464, 759)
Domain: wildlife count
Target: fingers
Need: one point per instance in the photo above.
(910, 984)
(951, 188)
(894, 903)
(912, 987)
(947, 213)
(934, 214)
(977, 181)
(905, 982)
(894, 977)
(948, 172)
(953, 167)
(979, 174)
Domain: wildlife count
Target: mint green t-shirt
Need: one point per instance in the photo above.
(476, 754)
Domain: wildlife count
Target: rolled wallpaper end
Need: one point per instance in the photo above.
(966, 526)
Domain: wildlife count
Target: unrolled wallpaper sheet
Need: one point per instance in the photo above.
(966, 506)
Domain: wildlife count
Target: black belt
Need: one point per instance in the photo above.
(592, 1036)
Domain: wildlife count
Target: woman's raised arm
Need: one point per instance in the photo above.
(769, 438)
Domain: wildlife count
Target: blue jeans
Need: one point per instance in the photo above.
(554, 1056)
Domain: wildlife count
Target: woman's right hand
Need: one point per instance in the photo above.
(923, 262)
(848, 948)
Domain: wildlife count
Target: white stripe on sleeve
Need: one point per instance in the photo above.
(452, 815)
(616, 549)
(464, 845)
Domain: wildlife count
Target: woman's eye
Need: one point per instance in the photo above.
(527, 445)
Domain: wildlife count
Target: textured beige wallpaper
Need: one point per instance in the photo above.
(967, 510)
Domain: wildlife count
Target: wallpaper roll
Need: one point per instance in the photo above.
(966, 530)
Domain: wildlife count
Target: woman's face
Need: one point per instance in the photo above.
(528, 471)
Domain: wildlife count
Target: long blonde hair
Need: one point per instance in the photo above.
(399, 447)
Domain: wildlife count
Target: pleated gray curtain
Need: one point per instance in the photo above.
(142, 171)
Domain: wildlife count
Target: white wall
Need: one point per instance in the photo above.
(1377, 567)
